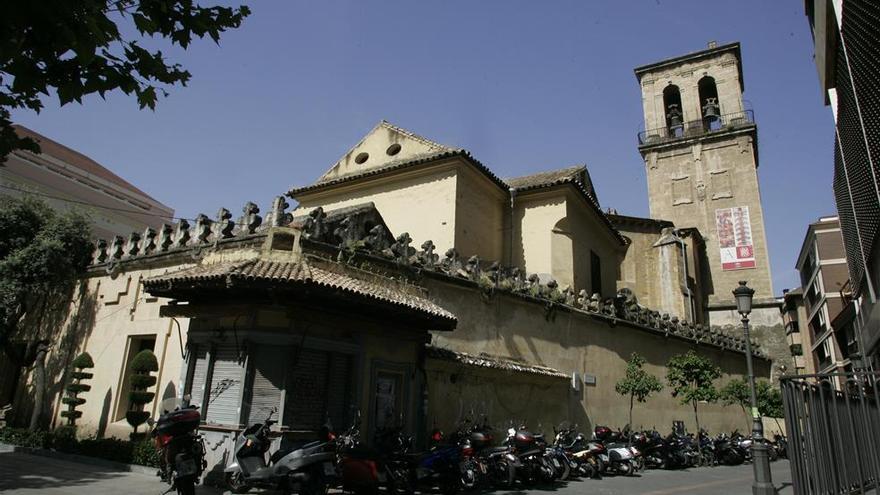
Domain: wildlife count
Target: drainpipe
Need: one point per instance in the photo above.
(510, 242)
(687, 287)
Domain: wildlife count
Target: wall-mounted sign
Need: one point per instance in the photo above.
(589, 379)
(735, 238)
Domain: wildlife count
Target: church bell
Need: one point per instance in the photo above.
(710, 109)
(674, 115)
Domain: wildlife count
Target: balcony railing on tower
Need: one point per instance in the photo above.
(695, 128)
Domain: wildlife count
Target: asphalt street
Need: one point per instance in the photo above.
(28, 474)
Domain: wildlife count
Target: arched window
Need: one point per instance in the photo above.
(709, 107)
(672, 109)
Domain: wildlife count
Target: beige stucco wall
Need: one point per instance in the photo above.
(481, 216)
(507, 326)
(588, 234)
(535, 216)
(420, 202)
(122, 313)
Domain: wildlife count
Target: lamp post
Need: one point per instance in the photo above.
(763, 484)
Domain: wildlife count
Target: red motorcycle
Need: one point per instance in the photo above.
(181, 449)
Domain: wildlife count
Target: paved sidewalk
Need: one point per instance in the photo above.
(29, 474)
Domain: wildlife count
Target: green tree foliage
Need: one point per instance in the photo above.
(691, 377)
(736, 392)
(42, 254)
(638, 384)
(74, 49)
(770, 401)
(76, 386)
(141, 379)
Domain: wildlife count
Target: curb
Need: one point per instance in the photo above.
(94, 461)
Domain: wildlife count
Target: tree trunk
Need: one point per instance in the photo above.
(39, 385)
(630, 410)
(696, 417)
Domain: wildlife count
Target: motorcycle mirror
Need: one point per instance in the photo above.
(151, 422)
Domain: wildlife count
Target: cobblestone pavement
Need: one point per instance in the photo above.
(27, 474)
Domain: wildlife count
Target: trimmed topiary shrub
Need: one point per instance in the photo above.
(76, 387)
(141, 379)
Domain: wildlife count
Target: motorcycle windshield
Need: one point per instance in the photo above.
(172, 404)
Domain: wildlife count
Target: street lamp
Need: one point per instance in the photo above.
(763, 484)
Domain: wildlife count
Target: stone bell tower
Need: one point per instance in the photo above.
(701, 155)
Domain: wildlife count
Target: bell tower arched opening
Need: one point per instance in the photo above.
(710, 109)
(672, 110)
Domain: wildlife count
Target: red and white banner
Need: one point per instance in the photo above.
(735, 238)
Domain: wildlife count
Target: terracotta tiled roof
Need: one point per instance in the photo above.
(76, 159)
(546, 178)
(289, 272)
(490, 362)
(415, 161)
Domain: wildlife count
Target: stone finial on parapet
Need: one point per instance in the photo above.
(100, 254)
(346, 232)
(148, 246)
(451, 264)
(203, 228)
(401, 250)
(376, 240)
(223, 226)
(426, 256)
(472, 268)
(166, 237)
(278, 216)
(315, 227)
(181, 236)
(117, 250)
(250, 220)
(133, 246)
(583, 300)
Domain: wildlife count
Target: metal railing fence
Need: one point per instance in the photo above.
(694, 128)
(832, 422)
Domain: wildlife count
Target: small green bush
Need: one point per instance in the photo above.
(76, 386)
(64, 439)
(141, 379)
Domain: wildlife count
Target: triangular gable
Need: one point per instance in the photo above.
(384, 144)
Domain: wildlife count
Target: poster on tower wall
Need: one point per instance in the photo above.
(735, 238)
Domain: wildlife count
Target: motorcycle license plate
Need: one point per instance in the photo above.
(329, 470)
(186, 467)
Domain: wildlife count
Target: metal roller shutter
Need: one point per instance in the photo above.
(225, 390)
(306, 389)
(268, 382)
(196, 383)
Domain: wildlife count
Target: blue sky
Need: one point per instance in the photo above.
(525, 86)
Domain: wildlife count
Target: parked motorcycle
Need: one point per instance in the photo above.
(619, 457)
(181, 449)
(532, 466)
(576, 448)
(307, 470)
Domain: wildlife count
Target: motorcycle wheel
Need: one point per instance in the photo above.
(185, 485)
(400, 482)
(469, 471)
(503, 474)
(629, 469)
(235, 482)
(315, 485)
(565, 470)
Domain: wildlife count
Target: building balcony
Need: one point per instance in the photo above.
(697, 128)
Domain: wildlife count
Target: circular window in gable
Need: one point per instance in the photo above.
(393, 149)
(361, 158)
